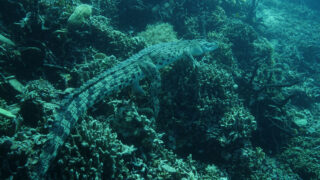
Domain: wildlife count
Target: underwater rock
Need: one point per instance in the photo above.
(80, 15)
(99, 56)
(300, 122)
(35, 107)
(241, 36)
(203, 102)
(301, 118)
(207, 124)
(302, 156)
(95, 149)
(111, 41)
(157, 33)
(16, 153)
(15, 84)
(84, 72)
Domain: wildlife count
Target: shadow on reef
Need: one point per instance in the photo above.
(267, 104)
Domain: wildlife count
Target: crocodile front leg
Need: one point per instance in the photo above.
(188, 56)
(152, 73)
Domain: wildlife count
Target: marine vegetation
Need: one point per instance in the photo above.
(145, 89)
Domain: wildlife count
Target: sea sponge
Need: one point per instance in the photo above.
(80, 15)
(157, 33)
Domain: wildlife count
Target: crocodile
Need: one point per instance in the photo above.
(144, 64)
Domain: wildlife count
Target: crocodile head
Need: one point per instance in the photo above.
(202, 46)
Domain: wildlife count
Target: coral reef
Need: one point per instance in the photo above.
(303, 153)
(158, 33)
(249, 110)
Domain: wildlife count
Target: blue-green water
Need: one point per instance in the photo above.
(249, 109)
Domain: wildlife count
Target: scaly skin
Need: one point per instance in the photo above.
(145, 63)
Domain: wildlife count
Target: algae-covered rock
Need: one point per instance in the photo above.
(157, 33)
(16, 85)
(36, 106)
(203, 103)
(302, 155)
(219, 120)
(111, 41)
(80, 15)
